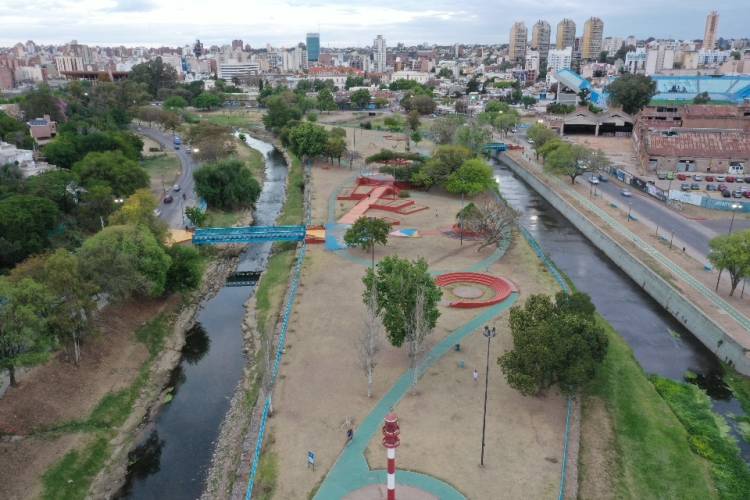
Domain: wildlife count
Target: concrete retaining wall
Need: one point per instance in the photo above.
(693, 318)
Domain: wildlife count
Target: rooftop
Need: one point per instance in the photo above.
(702, 143)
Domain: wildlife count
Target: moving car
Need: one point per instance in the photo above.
(603, 178)
(168, 199)
(593, 179)
(626, 193)
(176, 187)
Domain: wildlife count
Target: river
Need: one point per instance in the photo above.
(174, 454)
(660, 344)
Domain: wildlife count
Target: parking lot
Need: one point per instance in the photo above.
(717, 186)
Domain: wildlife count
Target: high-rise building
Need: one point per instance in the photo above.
(712, 27)
(540, 36)
(378, 49)
(198, 48)
(518, 37)
(559, 59)
(566, 33)
(591, 44)
(313, 47)
(237, 45)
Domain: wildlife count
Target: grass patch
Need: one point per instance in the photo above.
(267, 475)
(708, 436)
(153, 333)
(654, 458)
(293, 213)
(237, 119)
(220, 218)
(270, 293)
(162, 169)
(71, 477)
(740, 386)
(253, 159)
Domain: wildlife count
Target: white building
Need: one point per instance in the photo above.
(417, 76)
(10, 154)
(532, 60)
(230, 69)
(294, 59)
(612, 44)
(69, 63)
(659, 59)
(379, 52)
(635, 61)
(713, 58)
(558, 59)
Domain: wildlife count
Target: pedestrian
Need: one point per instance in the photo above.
(475, 375)
(349, 435)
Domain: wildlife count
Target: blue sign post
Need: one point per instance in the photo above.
(311, 460)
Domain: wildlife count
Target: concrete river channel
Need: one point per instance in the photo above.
(174, 455)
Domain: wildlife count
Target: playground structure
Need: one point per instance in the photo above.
(247, 234)
(472, 289)
(373, 192)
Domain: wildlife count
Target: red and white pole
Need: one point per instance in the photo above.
(391, 441)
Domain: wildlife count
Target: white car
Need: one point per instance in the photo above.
(593, 179)
(626, 193)
(531, 141)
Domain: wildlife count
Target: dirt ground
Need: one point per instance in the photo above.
(597, 456)
(58, 392)
(321, 386)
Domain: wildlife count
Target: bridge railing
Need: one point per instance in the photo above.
(248, 234)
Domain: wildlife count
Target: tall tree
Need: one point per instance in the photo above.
(366, 232)
(227, 185)
(155, 74)
(139, 209)
(212, 141)
(558, 343)
(24, 338)
(40, 102)
(631, 92)
(473, 136)
(398, 282)
(25, 225)
(472, 178)
(113, 169)
(731, 253)
(570, 160)
(208, 100)
(326, 101)
(491, 218)
(360, 98)
(368, 342)
(444, 128)
(308, 140)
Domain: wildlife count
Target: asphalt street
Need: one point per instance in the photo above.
(173, 213)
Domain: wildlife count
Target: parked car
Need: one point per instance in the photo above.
(593, 179)
(710, 178)
(746, 194)
(736, 193)
(721, 178)
(710, 187)
(681, 177)
(626, 193)
(747, 179)
(603, 177)
(168, 199)
(695, 187)
(530, 141)
(731, 178)
(176, 187)
(670, 176)
(684, 186)
(722, 187)
(661, 176)
(726, 193)
(697, 177)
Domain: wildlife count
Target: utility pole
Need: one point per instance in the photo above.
(489, 333)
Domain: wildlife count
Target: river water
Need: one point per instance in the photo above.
(175, 452)
(660, 343)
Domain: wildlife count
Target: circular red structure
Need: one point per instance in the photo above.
(501, 288)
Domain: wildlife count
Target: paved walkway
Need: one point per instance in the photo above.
(379, 492)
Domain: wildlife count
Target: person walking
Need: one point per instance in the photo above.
(475, 375)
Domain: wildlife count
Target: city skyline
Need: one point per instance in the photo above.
(355, 23)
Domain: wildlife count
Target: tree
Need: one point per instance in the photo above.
(227, 184)
(55, 185)
(15, 132)
(461, 107)
(702, 98)
(473, 177)
(307, 140)
(23, 325)
(631, 92)
(445, 73)
(186, 269)
(61, 152)
(73, 306)
(444, 162)
(540, 135)
(444, 128)
(366, 232)
(25, 224)
(196, 216)
(599, 161)
(473, 137)
(213, 141)
(731, 252)
(208, 101)
(155, 74)
(567, 160)
(360, 98)
(326, 101)
(528, 101)
(113, 169)
(139, 209)
(491, 218)
(413, 120)
(421, 327)
(398, 283)
(423, 104)
(96, 204)
(175, 102)
(125, 260)
(368, 342)
(354, 81)
(40, 102)
(335, 147)
(558, 343)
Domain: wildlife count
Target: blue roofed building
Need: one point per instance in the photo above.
(734, 89)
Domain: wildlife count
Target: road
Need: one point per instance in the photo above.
(173, 213)
(693, 234)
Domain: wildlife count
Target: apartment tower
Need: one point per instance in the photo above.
(591, 45)
(378, 48)
(540, 36)
(518, 37)
(566, 33)
(712, 28)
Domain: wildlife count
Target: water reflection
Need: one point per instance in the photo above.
(197, 343)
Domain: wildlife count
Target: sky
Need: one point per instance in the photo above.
(345, 23)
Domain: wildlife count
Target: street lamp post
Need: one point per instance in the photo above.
(489, 333)
(734, 207)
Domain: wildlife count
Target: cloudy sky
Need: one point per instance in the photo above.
(346, 22)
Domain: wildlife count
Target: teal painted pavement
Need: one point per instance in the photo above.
(351, 472)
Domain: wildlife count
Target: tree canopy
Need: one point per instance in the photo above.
(307, 140)
(155, 74)
(25, 225)
(631, 92)
(567, 159)
(398, 282)
(472, 178)
(227, 184)
(366, 232)
(113, 169)
(360, 98)
(554, 343)
(731, 252)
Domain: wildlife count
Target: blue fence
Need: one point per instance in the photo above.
(249, 234)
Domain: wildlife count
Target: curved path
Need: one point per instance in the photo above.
(351, 471)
